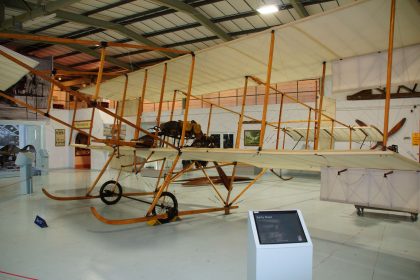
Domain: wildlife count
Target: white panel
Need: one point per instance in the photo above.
(11, 72)
(369, 71)
(398, 191)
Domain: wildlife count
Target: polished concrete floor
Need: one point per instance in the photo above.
(207, 246)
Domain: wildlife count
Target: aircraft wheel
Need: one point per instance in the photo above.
(360, 211)
(167, 204)
(110, 192)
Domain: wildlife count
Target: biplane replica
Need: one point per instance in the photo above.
(298, 50)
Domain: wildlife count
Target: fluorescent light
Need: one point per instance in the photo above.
(268, 9)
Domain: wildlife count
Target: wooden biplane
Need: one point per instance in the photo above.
(294, 51)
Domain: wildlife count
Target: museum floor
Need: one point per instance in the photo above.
(207, 246)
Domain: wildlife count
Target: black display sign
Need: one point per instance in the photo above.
(279, 227)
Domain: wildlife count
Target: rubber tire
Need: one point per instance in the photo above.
(104, 197)
(172, 211)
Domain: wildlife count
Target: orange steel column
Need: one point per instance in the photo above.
(321, 98)
(140, 106)
(187, 105)
(267, 91)
(241, 118)
(389, 74)
(279, 123)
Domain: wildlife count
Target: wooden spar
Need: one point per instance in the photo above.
(75, 94)
(140, 106)
(332, 135)
(248, 186)
(50, 96)
(187, 105)
(160, 174)
(320, 114)
(224, 108)
(80, 73)
(307, 129)
(173, 106)
(162, 93)
(212, 184)
(260, 82)
(100, 71)
(91, 124)
(209, 121)
(92, 186)
(122, 106)
(113, 136)
(350, 132)
(164, 185)
(241, 118)
(284, 138)
(278, 125)
(97, 88)
(73, 119)
(232, 179)
(86, 42)
(22, 103)
(267, 91)
(388, 75)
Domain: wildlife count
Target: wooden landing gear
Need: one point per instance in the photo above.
(167, 204)
(361, 211)
(110, 192)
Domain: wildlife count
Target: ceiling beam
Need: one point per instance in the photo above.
(145, 63)
(113, 26)
(36, 11)
(97, 55)
(299, 8)
(194, 13)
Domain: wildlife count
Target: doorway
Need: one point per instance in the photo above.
(81, 156)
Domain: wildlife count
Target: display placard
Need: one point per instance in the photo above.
(60, 137)
(279, 227)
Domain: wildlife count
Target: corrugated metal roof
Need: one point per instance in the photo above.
(157, 23)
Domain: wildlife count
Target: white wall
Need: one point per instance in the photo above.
(59, 157)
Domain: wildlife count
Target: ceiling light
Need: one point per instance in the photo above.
(268, 9)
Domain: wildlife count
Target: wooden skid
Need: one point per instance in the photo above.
(83, 197)
(150, 218)
(62, 198)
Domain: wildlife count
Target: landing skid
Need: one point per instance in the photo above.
(84, 197)
(155, 217)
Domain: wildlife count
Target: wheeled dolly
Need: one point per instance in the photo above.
(361, 211)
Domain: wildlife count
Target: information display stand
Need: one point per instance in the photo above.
(279, 246)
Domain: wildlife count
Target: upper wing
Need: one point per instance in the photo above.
(300, 48)
(358, 133)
